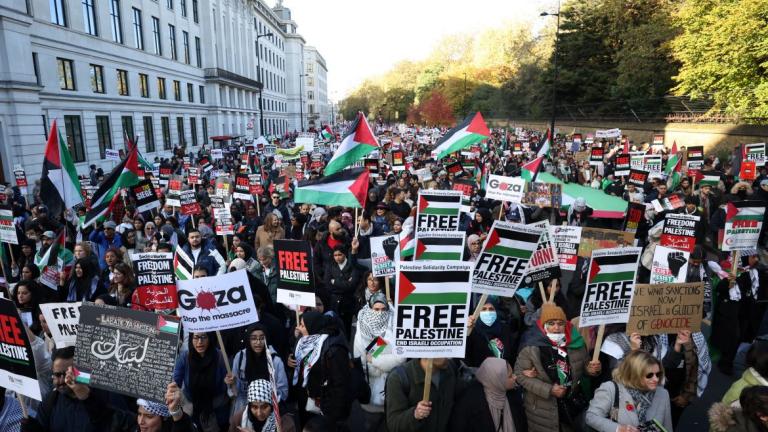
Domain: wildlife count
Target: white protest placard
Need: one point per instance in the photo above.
(566, 240)
(502, 264)
(755, 152)
(544, 263)
(438, 210)
(62, 319)
(509, 189)
(385, 254)
(669, 265)
(7, 227)
(610, 286)
(608, 133)
(217, 154)
(111, 154)
(308, 143)
(216, 302)
(223, 224)
(432, 307)
(743, 223)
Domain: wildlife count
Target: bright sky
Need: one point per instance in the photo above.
(364, 38)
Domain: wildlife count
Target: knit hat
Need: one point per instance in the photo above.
(551, 311)
(260, 390)
(378, 297)
(237, 264)
(154, 408)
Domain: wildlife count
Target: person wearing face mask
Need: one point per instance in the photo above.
(633, 400)
(484, 406)
(491, 337)
(550, 368)
(373, 322)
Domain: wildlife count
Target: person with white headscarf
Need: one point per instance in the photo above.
(169, 417)
(259, 415)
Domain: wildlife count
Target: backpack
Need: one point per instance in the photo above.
(357, 385)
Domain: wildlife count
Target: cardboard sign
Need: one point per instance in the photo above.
(658, 139)
(666, 308)
(189, 204)
(544, 263)
(610, 286)
(638, 177)
(679, 231)
(155, 280)
(503, 262)
(295, 281)
(242, 188)
(596, 155)
(398, 160)
(622, 165)
(669, 265)
(608, 133)
(146, 198)
(62, 319)
(598, 238)
(637, 160)
(17, 363)
(635, 214)
(385, 255)
(566, 240)
(216, 302)
(254, 184)
(224, 224)
(748, 170)
(438, 210)
(217, 154)
(440, 245)
(509, 189)
(743, 222)
(755, 153)
(165, 174)
(126, 351)
(7, 227)
(21, 180)
(432, 308)
(652, 164)
(545, 194)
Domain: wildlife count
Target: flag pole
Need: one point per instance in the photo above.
(386, 287)
(598, 342)
(478, 308)
(427, 380)
(226, 359)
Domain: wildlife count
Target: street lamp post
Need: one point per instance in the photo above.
(554, 80)
(261, 84)
(301, 99)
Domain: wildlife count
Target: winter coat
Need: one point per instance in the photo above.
(269, 280)
(62, 413)
(749, 378)
(238, 369)
(205, 258)
(725, 418)
(540, 405)
(471, 412)
(377, 370)
(598, 414)
(267, 238)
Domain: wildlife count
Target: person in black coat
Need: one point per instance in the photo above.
(484, 406)
(342, 278)
(492, 336)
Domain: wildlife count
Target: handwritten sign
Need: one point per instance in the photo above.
(666, 308)
(62, 319)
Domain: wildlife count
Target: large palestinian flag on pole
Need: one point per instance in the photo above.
(407, 242)
(471, 131)
(503, 263)
(610, 286)
(529, 170)
(59, 184)
(543, 149)
(743, 223)
(182, 265)
(440, 245)
(358, 141)
(124, 175)
(432, 307)
(348, 188)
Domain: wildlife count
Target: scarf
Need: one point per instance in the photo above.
(248, 421)
(704, 362)
(643, 400)
(307, 353)
(492, 374)
(372, 324)
(202, 378)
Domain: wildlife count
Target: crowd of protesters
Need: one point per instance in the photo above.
(527, 366)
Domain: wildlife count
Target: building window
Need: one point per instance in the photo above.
(180, 130)
(310, 95)
(58, 15)
(74, 137)
(138, 33)
(144, 85)
(128, 127)
(172, 38)
(183, 7)
(149, 135)
(161, 88)
(202, 94)
(117, 26)
(185, 41)
(177, 90)
(97, 78)
(205, 130)
(193, 130)
(195, 16)
(102, 133)
(165, 125)
(198, 52)
(122, 82)
(311, 108)
(310, 68)
(190, 92)
(89, 18)
(310, 82)
(36, 67)
(156, 36)
(66, 74)
(169, 3)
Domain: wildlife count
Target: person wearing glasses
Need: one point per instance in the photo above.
(634, 400)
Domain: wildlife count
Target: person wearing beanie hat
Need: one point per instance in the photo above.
(552, 362)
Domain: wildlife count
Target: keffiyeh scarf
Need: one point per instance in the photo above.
(372, 324)
(307, 353)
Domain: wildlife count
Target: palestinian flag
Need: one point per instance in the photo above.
(674, 147)
(443, 204)
(57, 250)
(673, 171)
(744, 211)
(708, 179)
(125, 174)
(407, 244)
(59, 184)
(166, 325)
(471, 131)
(82, 377)
(376, 347)
(440, 248)
(348, 188)
(529, 171)
(358, 141)
(326, 133)
(418, 287)
(614, 268)
(182, 265)
(543, 149)
(511, 243)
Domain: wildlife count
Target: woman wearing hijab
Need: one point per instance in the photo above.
(373, 322)
(259, 415)
(156, 417)
(491, 337)
(481, 224)
(245, 253)
(251, 363)
(484, 406)
(83, 284)
(200, 374)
